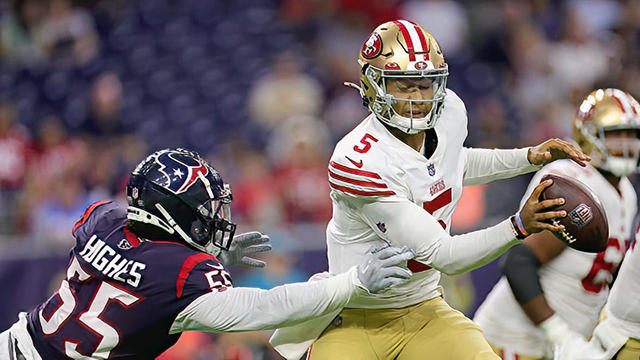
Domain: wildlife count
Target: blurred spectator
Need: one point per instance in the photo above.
(343, 112)
(67, 35)
(579, 59)
(286, 91)
(53, 217)
(299, 150)
(17, 26)
(15, 150)
(15, 154)
(55, 194)
(255, 196)
(444, 19)
(106, 106)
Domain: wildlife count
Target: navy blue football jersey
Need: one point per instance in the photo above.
(121, 293)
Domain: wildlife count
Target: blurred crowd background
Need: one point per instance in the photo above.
(88, 87)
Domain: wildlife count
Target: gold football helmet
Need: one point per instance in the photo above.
(604, 111)
(396, 50)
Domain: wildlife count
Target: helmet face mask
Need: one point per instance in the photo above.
(414, 99)
(176, 191)
(607, 127)
(623, 152)
(403, 52)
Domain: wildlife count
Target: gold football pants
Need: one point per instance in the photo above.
(630, 350)
(428, 330)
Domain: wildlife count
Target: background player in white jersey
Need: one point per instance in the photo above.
(140, 276)
(549, 290)
(618, 336)
(396, 178)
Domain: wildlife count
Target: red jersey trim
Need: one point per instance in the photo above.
(357, 182)
(440, 201)
(354, 171)
(131, 238)
(87, 213)
(360, 192)
(186, 268)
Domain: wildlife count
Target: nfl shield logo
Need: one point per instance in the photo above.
(581, 215)
(432, 169)
(381, 227)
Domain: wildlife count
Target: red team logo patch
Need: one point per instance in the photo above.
(372, 47)
(421, 65)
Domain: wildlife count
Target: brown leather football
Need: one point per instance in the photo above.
(586, 227)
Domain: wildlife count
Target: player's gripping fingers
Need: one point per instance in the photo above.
(574, 153)
(550, 215)
(399, 258)
(535, 195)
(396, 272)
(545, 204)
(387, 252)
(546, 226)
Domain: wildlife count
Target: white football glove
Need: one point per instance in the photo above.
(557, 333)
(577, 348)
(243, 245)
(384, 267)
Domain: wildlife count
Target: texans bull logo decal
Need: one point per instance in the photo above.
(180, 171)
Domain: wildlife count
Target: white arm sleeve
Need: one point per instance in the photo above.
(485, 165)
(408, 224)
(246, 309)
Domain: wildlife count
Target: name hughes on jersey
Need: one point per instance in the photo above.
(106, 260)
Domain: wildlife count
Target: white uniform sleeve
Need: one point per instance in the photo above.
(408, 224)
(246, 309)
(486, 165)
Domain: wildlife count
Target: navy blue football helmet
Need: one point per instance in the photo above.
(178, 192)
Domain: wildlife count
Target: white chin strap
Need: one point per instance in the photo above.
(620, 166)
(170, 226)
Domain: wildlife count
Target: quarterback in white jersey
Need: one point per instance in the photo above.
(527, 315)
(396, 178)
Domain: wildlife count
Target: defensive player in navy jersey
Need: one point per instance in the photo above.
(139, 276)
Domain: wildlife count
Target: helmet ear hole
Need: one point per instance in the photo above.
(200, 232)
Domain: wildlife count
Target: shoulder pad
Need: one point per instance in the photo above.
(99, 216)
(201, 273)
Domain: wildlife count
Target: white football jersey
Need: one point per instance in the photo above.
(575, 283)
(623, 306)
(371, 165)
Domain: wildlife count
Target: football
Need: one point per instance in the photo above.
(586, 227)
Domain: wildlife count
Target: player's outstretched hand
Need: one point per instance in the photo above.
(243, 246)
(554, 149)
(534, 214)
(384, 267)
